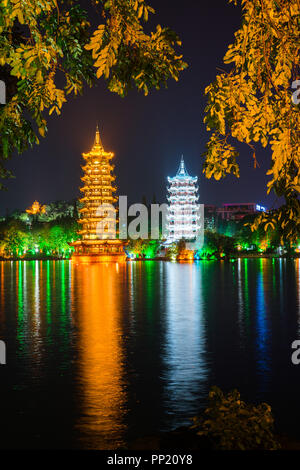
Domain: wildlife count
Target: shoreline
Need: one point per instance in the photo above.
(187, 439)
(232, 257)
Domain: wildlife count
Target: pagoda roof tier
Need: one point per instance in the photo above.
(114, 241)
(106, 199)
(96, 219)
(97, 153)
(177, 179)
(183, 188)
(98, 175)
(93, 208)
(93, 187)
(97, 165)
(94, 235)
(93, 195)
(178, 199)
(97, 185)
(96, 172)
(88, 209)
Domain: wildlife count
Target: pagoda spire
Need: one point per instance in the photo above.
(97, 141)
(182, 170)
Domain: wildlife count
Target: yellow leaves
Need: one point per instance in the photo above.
(269, 225)
(20, 16)
(252, 102)
(105, 56)
(39, 77)
(220, 158)
(140, 11)
(294, 8)
(96, 39)
(42, 131)
(26, 11)
(123, 41)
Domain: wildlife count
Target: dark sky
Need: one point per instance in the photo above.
(147, 134)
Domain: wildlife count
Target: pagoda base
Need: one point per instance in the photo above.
(99, 251)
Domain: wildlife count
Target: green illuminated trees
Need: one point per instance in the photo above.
(253, 103)
(47, 42)
(14, 242)
(216, 243)
(37, 239)
(143, 248)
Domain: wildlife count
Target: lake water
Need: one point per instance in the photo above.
(101, 354)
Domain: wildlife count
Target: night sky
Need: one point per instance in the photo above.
(147, 134)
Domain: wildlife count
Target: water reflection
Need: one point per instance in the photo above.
(100, 358)
(110, 350)
(263, 333)
(185, 355)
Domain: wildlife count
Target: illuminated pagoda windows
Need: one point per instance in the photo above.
(98, 189)
(182, 218)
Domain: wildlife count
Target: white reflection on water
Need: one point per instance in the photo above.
(185, 357)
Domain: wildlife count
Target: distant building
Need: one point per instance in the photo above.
(237, 211)
(210, 217)
(232, 212)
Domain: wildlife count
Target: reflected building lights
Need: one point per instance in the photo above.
(185, 344)
(101, 356)
(241, 307)
(263, 332)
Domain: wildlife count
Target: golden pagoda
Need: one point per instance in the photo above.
(36, 208)
(98, 244)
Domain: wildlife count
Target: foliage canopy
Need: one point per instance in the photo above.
(254, 103)
(48, 50)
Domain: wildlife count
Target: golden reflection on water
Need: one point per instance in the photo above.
(100, 352)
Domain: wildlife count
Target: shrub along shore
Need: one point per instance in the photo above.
(228, 423)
